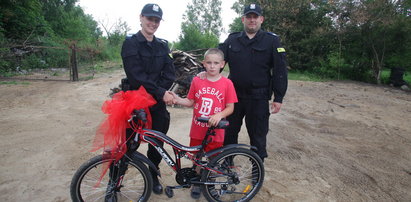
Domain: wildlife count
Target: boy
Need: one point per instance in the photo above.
(212, 97)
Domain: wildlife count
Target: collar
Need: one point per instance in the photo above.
(243, 38)
(141, 38)
(257, 35)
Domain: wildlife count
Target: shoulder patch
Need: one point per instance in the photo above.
(281, 50)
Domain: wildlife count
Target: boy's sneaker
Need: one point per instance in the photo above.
(195, 192)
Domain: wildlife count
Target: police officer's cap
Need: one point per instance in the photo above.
(253, 8)
(152, 10)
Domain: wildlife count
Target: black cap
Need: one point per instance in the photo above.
(253, 8)
(152, 10)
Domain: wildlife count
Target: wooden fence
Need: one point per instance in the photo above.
(67, 69)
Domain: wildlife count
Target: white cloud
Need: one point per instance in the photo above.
(129, 11)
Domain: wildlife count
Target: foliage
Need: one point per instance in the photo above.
(341, 39)
(115, 32)
(192, 39)
(38, 34)
(205, 15)
(202, 25)
(14, 83)
(306, 76)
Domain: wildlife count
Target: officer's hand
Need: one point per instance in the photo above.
(202, 75)
(168, 98)
(175, 97)
(275, 107)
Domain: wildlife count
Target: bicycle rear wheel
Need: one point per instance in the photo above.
(247, 175)
(136, 185)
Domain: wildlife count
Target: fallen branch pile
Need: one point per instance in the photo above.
(187, 66)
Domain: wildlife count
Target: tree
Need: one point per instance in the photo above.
(371, 30)
(22, 20)
(192, 39)
(302, 25)
(42, 23)
(116, 32)
(202, 25)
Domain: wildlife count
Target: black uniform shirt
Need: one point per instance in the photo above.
(148, 64)
(257, 65)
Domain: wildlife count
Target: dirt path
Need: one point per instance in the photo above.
(332, 141)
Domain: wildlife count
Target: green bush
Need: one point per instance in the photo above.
(334, 67)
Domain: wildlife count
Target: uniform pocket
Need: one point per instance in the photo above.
(261, 56)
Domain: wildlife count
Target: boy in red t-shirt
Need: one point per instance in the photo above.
(212, 97)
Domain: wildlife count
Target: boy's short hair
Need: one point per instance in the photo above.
(214, 51)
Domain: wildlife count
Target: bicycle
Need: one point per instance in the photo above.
(230, 173)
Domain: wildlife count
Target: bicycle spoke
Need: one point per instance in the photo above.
(241, 172)
(87, 186)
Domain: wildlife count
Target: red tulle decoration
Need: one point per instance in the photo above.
(111, 134)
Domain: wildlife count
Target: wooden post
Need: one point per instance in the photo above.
(74, 63)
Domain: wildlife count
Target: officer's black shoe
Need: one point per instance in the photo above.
(157, 188)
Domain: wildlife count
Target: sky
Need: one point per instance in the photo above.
(109, 12)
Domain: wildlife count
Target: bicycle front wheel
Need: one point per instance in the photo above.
(243, 179)
(136, 184)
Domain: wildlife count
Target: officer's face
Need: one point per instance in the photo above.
(149, 25)
(252, 22)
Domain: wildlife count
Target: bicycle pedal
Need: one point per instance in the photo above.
(169, 191)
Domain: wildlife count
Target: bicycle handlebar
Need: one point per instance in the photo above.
(222, 124)
(140, 114)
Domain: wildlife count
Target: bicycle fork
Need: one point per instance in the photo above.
(116, 175)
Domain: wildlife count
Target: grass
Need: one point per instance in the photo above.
(385, 76)
(101, 67)
(305, 76)
(14, 83)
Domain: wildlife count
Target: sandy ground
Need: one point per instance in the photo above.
(332, 141)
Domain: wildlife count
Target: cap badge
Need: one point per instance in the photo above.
(252, 6)
(155, 8)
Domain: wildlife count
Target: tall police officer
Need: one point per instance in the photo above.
(147, 63)
(257, 68)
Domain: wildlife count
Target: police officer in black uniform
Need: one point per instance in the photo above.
(257, 68)
(147, 63)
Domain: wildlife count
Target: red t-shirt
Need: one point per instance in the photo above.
(209, 98)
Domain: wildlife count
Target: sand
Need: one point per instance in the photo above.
(332, 141)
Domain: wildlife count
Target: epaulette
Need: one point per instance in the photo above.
(270, 33)
(234, 33)
(163, 41)
(128, 37)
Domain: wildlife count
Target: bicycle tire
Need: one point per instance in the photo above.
(84, 186)
(243, 163)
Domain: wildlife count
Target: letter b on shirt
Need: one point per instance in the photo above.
(206, 105)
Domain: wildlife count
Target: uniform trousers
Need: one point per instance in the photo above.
(256, 113)
(160, 122)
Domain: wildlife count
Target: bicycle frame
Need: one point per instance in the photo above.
(193, 154)
(224, 170)
(180, 151)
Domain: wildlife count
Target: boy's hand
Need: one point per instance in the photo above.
(214, 119)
